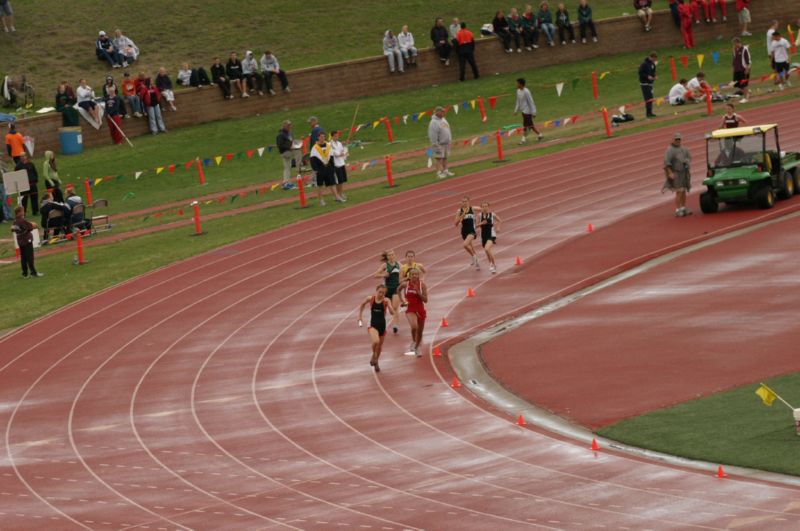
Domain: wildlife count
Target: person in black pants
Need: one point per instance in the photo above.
(647, 76)
(33, 178)
(221, 79)
(441, 41)
(501, 29)
(466, 52)
(23, 229)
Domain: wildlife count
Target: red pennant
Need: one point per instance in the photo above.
(242, 194)
(180, 211)
(685, 61)
(10, 200)
(107, 178)
(228, 156)
(396, 120)
(189, 164)
(575, 118)
(354, 167)
(250, 152)
(466, 142)
(492, 102)
(221, 199)
(157, 215)
(171, 168)
(264, 189)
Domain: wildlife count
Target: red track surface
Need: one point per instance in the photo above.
(232, 390)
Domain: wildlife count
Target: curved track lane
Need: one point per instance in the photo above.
(232, 389)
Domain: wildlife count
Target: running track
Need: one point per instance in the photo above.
(232, 390)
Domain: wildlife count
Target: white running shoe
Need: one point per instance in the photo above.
(411, 350)
(441, 174)
(493, 269)
(449, 173)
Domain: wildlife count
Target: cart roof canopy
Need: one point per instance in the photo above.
(742, 131)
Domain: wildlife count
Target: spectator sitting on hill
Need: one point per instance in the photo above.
(110, 85)
(501, 28)
(65, 99)
(517, 29)
(58, 225)
(151, 97)
(86, 100)
(105, 51)
(530, 25)
(252, 78)
(545, 20)
(679, 93)
(127, 48)
(220, 77)
(164, 84)
(391, 49)
(192, 77)
(130, 96)
(644, 10)
(234, 71)
(585, 21)
(406, 41)
(441, 41)
(564, 25)
(270, 67)
(51, 179)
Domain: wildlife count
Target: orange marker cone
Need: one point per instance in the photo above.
(470, 293)
(444, 322)
(721, 473)
(589, 228)
(456, 384)
(520, 421)
(519, 261)
(437, 352)
(595, 446)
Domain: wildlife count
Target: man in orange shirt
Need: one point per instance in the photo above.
(466, 51)
(15, 144)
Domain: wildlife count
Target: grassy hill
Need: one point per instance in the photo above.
(55, 39)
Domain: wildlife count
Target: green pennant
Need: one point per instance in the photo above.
(129, 195)
(575, 83)
(119, 177)
(145, 218)
(239, 155)
(234, 198)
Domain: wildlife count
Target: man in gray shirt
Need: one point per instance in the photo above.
(440, 136)
(678, 179)
(527, 107)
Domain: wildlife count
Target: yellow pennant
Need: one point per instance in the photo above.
(767, 395)
(218, 159)
(376, 123)
(274, 186)
(159, 170)
(98, 181)
(604, 74)
(700, 58)
(472, 104)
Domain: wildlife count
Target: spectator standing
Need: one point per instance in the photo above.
(15, 143)
(151, 97)
(440, 137)
(564, 25)
(678, 178)
(316, 129)
(114, 109)
(51, 179)
(322, 161)
(585, 21)
(130, 96)
(270, 67)
(530, 27)
(234, 71)
(466, 52)
(289, 153)
(23, 230)
(502, 30)
(340, 154)
(780, 58)
(527, 107)
(673, 9)
(441, 41)
(743, 12)
(5, 209)
(164, 84)
(391, 49)
(517, 29)
(33, 180)
(406, 41)
(687, 33)
(7, 14)
(679, 93)
(644, 10)
(105, 51)
(86, 100)
(253, 80)
(773, 27)
(545, 21)
(221, 79)
(193, 77)
(127, 48)
(647, 77)
(741, 68)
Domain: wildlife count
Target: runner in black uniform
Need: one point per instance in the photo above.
(466, 218)
(389, 271)
(731, 119)
(488, 235)
(378, 304)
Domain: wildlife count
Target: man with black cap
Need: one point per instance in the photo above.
(105, 51)
(647, 76)
(678, 179)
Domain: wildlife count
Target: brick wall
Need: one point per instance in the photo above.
(370, 76)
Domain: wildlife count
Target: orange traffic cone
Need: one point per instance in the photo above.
(595, 446)
(520, 421)
(589, 228)
(470, 293)
(444, 322)
(721, 473)
(456, 384)
(437, 352)
(519, 261)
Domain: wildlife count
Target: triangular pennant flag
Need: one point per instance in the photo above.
(429, 152)
(189, 164)
(466, 142)
(559, 88)
(575, 118)
(207, 162)
(557, 123)
(228, 156)
(567, 121)
(575, 83)
(430, 162)
(472, 104)
(218, 159)
(180, 211)
(492, 102)
(221, 199)
(405, 119)
(373, 163)
(364, 166)
(547, 124)
(483, 139)
(129, 195)
(263, 189)
(715, 57)
(171, 168)
(107, 178)
(685, 61)
(157, 215)
(208, 202)
(137, 175)
(700, 59)
(239, 155)
(119, 177)
(376, 123)
(353, 167)
(274, 186)
(455, 108)
(250, 153)
(604, 74)
(242, 194)
(414, 117)
(396, 120)
(234, 197)
(98, 181)
(269, 149)
(512, 132)
(159, 170)
(145, 218)
(260, 152)
(473, 141)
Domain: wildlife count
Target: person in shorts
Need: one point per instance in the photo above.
(741, 68)
(440, 136)
(743, 10)
(7, 14)
(488, 225)
(779, 51)
(678, 178)
(378, 304)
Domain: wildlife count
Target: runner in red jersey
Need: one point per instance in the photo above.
(415, 293)
(378, 304)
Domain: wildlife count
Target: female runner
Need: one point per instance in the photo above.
(409, 264)
(416, 295)
(489, 220)
(378, 304)
(466, 218)
(390, 272)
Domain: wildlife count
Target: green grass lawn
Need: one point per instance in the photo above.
(169, 33)
(733, 428)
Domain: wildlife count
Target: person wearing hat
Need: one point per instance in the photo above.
(440, 136)
(678, 178)
(289, 152)
(105, 51)
(15, 143)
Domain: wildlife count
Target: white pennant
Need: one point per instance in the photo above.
(137, 175)
(430, 162)
(260, 151)
(566, 121)
(472, 143)
(405, 119)
(455, 109)
(559, 88)
(364, 166)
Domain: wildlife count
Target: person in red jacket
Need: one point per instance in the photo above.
(151, 97)
(686, 14)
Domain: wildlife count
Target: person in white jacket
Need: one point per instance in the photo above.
(252, 78)
(270, 67)
(85, 99)
(126, 47)
(391, 49)
(527, 107)
(406, 41)
(340, 154)
(440, 136)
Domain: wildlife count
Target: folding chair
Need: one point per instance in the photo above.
(79, 213)
(55, 220)
(101, 222)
